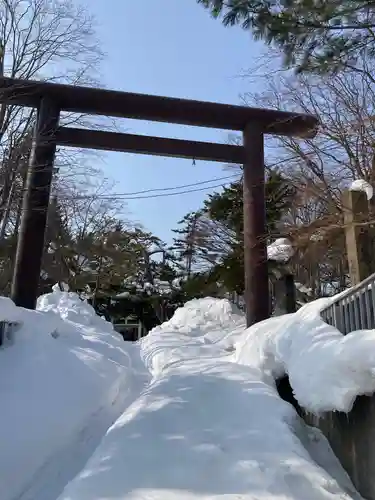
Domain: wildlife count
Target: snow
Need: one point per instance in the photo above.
(302, 288)
(189, 412)
(60, 287)
(299, 343)
(70, 308)
(362, 185)
(281, 250)
(9, 311)
(65, 380)
(158, 286)
(211, 423)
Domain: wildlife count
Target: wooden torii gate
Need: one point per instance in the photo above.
(51, 98)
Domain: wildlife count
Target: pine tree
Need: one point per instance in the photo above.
(227, 206)
(189, 244)
(221, 220)
(323, 35)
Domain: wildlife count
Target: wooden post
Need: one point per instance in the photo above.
(359, 244)
(30, 245)
(255, 244)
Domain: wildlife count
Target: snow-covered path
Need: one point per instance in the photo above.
(208, 426)
(198, 414)
(204, 430)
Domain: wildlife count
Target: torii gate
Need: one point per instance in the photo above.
(51, 98)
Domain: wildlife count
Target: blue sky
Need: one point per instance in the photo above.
(174, 48)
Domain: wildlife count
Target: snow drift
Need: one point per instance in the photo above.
(65, 380)
(208, 423)
(211, 422)
(326, 369)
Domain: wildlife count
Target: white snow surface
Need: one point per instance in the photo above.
(65, 380)
(362, 185)
(189, 412)
(326, 369)
(9, 311)
(211, 424)
(281, 250)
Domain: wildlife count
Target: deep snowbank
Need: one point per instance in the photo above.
(326, 369)
(208, 427)
(202, 328)
(210, 422)
(67, 377)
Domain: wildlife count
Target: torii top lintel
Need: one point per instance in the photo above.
(156, 108)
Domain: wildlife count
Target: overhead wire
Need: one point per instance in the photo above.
(173, 188)
(179, 189)
(160, 195)
(164, 192)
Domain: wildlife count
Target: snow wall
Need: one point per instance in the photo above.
(350, 434)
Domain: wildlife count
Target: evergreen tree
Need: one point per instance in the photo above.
(189, 243)
(313, 34)
(227, 206)
(223, 213)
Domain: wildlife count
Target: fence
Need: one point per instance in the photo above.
(351, 435)
(353, 309)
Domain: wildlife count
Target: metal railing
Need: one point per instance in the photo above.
(354, 309)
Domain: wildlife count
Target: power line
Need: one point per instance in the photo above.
(142, 195)
(165, 192)
(134, 195)
(172, 188)
(130, 195)
(161, 195)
